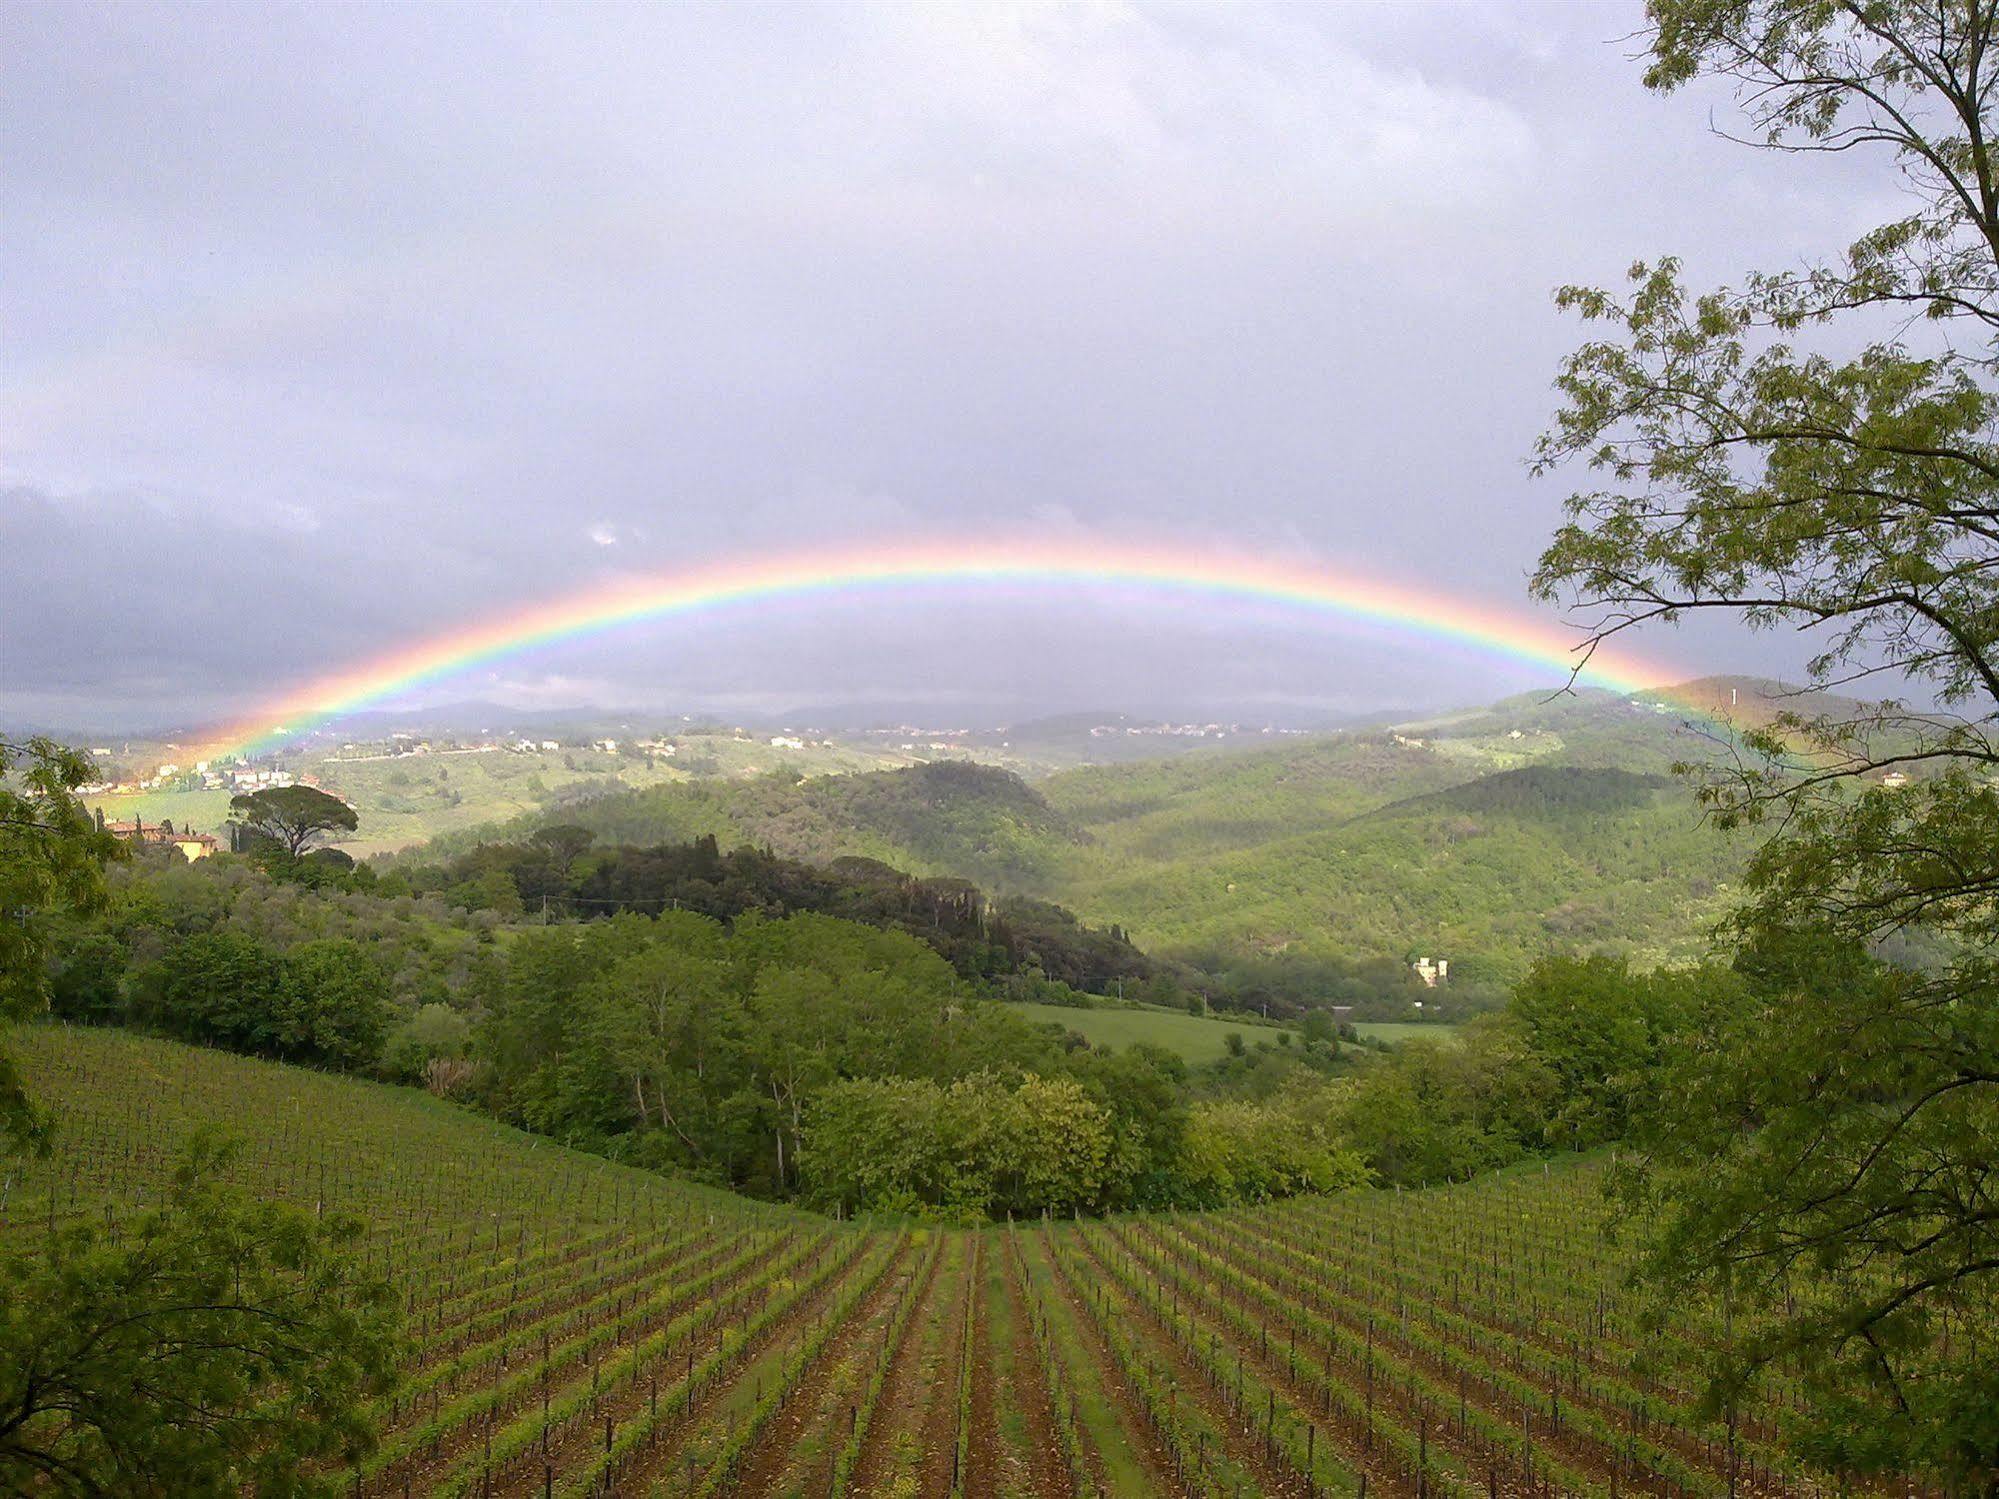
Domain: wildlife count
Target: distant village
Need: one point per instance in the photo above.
(200, 776)
(239, 776)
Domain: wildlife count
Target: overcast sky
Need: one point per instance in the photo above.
(329, 327)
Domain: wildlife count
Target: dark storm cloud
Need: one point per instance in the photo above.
(417, 314)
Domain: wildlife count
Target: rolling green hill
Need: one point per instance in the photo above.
(1486, 838)
(410, 799)
(946, 817)
(1485, 874)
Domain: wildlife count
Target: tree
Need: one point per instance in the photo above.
(564, 841)
(214, 1348)
(330, 1005)
(1065, 1146)
(222, 988)
(292, 816)
(52, 858)
(87, 978)
(1600, 1030)
(1823, 1149)
(1851, 490)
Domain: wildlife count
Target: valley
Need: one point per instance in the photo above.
(1053, 751)
(1531, 826)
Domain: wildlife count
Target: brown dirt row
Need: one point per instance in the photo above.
(423, 1466)
(940, 1412)
(985, 1446)
(1352, 1435)
(904, 1391)
(634, 1401)
(1348, 1435)
(1577, 1449)
(1039, 1469)
(488, 1286)
(1140, 1438)
(1686, 1444)
(819, 1405)
(1242, 1431)
(687, 1259)
(1608, 1356)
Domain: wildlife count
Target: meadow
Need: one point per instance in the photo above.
(579, 1328)
(1196, 1038)
(1397, 1030)
(1201, 1038)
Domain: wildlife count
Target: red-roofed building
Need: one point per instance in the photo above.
(162, 834)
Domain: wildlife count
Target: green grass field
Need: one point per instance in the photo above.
(1397, 1030)
(1198, 1038)
(205, 811)
(1203, 1038)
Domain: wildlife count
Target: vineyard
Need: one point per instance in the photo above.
(578, 1328)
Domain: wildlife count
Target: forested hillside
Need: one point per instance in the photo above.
(1487, 838)
(1488, 874)
(946, 817)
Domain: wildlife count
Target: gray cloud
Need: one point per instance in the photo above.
(375, 319)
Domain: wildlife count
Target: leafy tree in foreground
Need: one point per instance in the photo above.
(214, 1348)
(293, 816)
(52, 859)
(211, 1348)
(1829, 1157)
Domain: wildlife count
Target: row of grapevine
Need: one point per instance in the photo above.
(582, 1329)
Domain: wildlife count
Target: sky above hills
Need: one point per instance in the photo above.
(331, 327)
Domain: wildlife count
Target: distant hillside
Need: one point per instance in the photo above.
(411, 798)
(1486, 837)
(1550, 792)
(946, 817)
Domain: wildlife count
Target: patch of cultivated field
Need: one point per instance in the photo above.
(579, 1328)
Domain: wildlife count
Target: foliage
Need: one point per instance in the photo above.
(330, 1004)
(434, 1032)
(292, 817)
(971, 1148)
(52, 857)
(1803, 451)
(982, 938)
(677, 1041)
(1430, 1112)
(321, 1002)
(1284, 873)
(1819, 1144)
(1243, 1152)
(212, 1347)
(1602, 1032)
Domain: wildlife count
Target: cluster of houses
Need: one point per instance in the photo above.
(1184, 730)
(404, 746)
(170, 776)
(242, 779)
(161, 834)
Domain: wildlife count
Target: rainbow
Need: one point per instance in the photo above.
(1202, 575)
